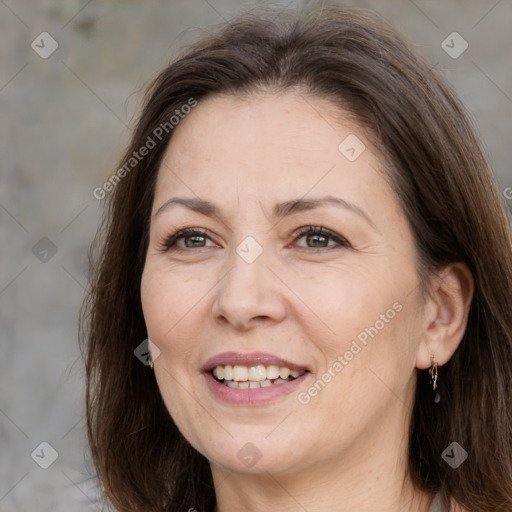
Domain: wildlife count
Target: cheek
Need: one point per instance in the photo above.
(168, 307)
(363, 330)
(347, 305)
(165, 303)
(153, 298)
(174, 311)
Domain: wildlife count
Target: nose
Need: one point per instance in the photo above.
(249, 295)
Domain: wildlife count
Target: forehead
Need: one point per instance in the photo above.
(269, 145)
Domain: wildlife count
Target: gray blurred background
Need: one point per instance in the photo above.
(66, 115)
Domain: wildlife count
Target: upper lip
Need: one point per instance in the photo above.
(252, 359)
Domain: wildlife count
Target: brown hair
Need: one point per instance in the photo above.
(448, 194)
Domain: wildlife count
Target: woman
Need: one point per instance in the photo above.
(305, 228)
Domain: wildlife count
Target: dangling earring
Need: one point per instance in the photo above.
(433, 377)
(433, 372)
(151, 364)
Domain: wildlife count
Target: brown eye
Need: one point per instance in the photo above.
(317, 240)
(189, 238)
(194, 241)
(317, 237)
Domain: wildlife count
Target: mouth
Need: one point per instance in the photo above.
(254, 377)
(252, 371)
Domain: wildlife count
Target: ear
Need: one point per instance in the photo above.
(446, 311)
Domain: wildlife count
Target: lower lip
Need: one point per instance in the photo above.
(255, 396)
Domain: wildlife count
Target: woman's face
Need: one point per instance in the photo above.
(299, 259)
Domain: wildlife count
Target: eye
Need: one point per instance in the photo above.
(190, 238)
(317, 237)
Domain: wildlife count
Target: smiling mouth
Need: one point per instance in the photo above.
(253, 377)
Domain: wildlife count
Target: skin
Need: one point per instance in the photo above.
(347, 448)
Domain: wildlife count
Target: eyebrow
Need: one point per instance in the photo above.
(281, 210)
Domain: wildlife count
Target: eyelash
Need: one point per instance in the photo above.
(169, 243)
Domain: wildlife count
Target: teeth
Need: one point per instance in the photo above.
(244, 377)
(257, 373)
(272, 372)
(240, 373)
(228, 372)
(249, 384)
(219, 372)
(284, 372)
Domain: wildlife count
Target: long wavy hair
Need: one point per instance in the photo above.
(446, 189)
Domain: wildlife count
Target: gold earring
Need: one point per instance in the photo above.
(433, 372)
(151, 364)
(433, 377)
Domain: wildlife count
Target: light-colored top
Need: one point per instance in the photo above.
(436, 505)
